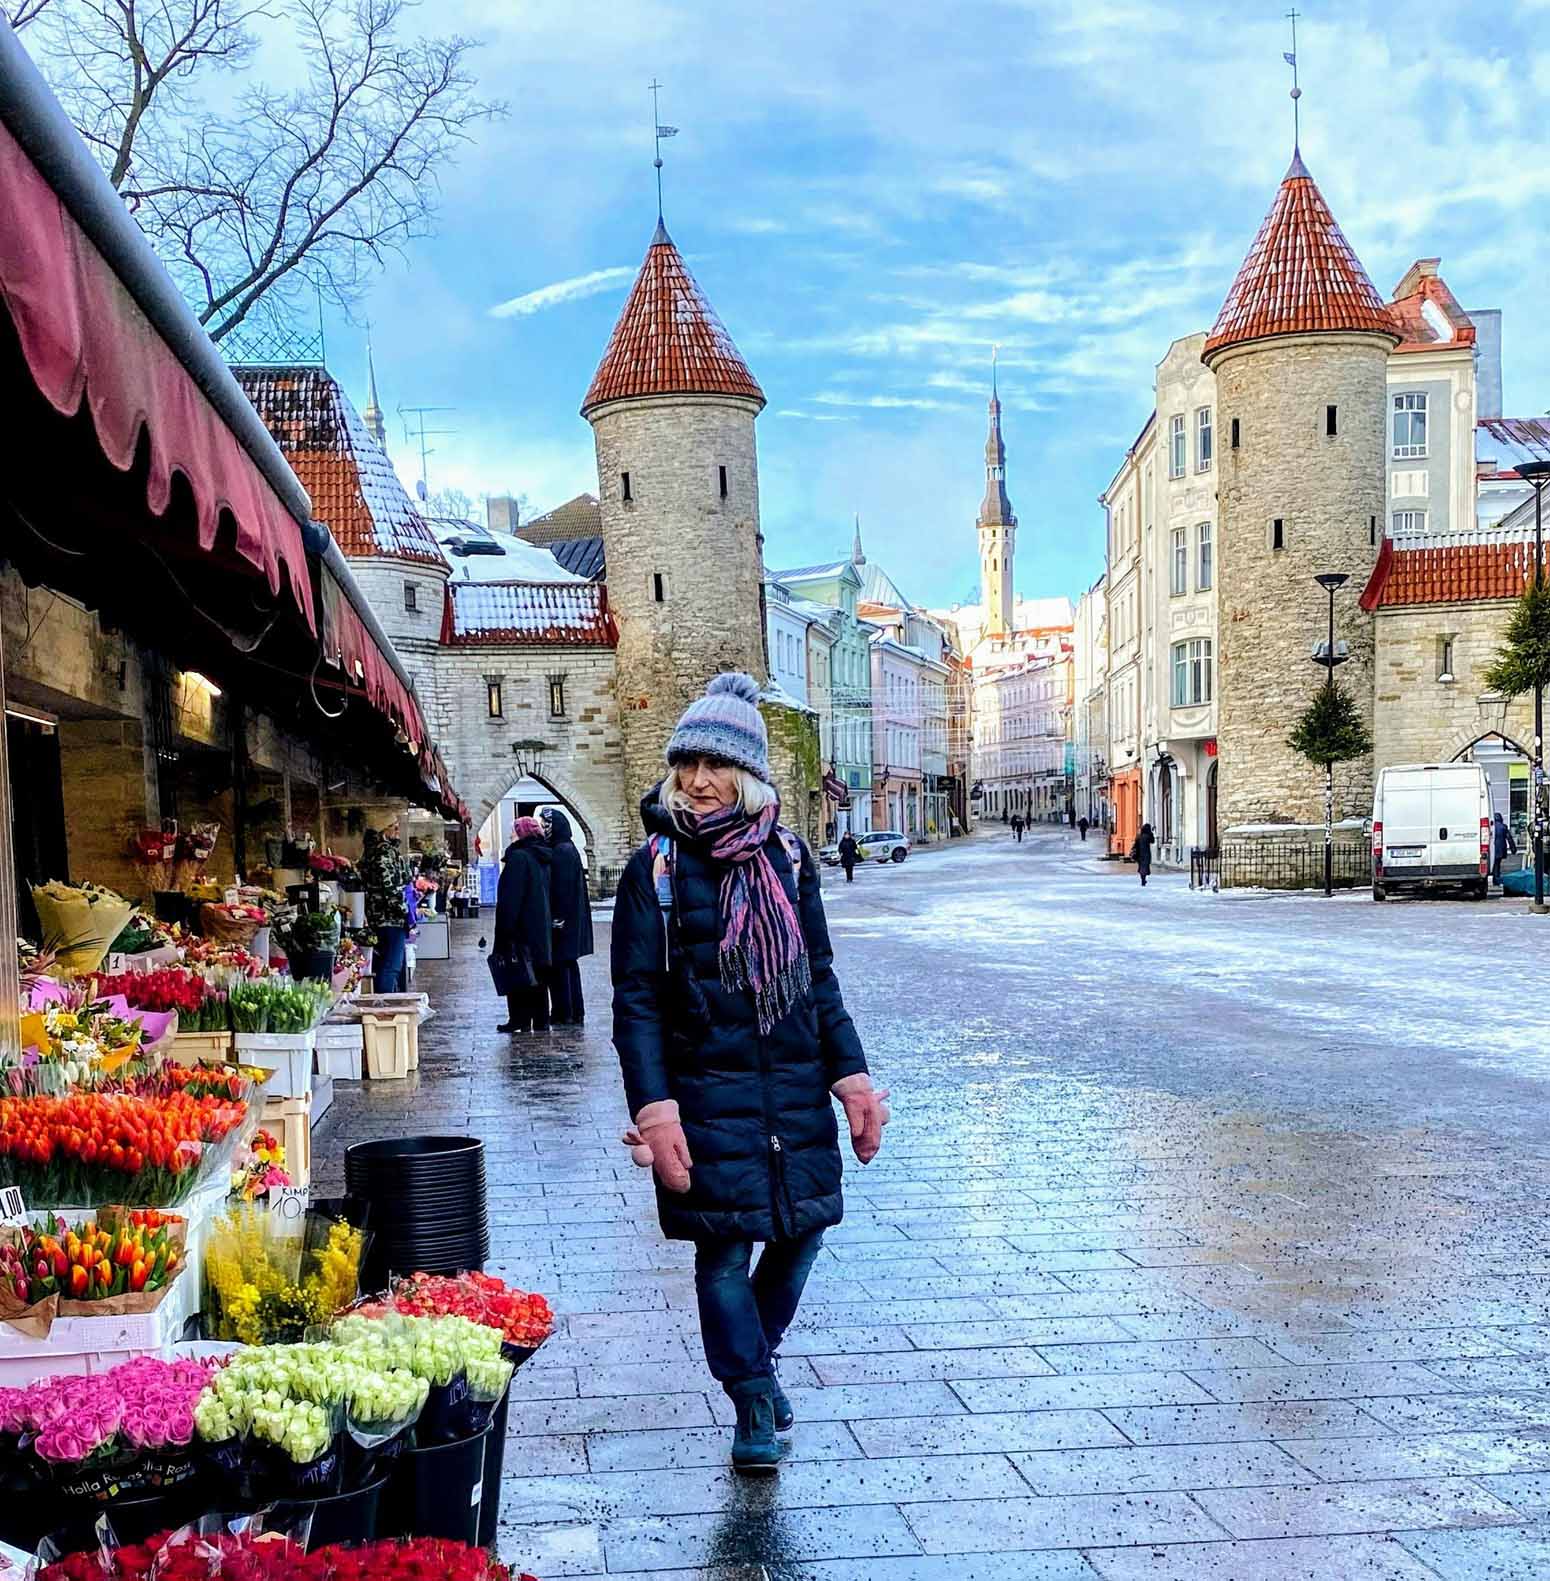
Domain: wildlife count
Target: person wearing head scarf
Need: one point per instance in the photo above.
(572, 909)
(524, 927)
(732, 1035)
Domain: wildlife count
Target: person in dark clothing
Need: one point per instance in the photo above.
(1082, 827)
(732, 1035)
(1141, 852)
(1017, 827)
(524, 928)
(850, 854)
(384, 874)
(1502, 846)
(571, 907)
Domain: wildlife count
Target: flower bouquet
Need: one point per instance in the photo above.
(195, 846)
(70, 1044)
(269, 1281)
(79, 922)
(99, 1438)
(92, 1148)
(118, 1263)
(235, 924)
(260, 1168)
(524, 1320)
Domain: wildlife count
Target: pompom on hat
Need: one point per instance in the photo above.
(725, 723)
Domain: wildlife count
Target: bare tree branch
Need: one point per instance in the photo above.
(284, 191)
(21, 12)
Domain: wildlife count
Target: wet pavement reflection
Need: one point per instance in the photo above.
(1208, 1241)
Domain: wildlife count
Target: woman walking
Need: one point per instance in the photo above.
(732, 1035)
(572, 908)
(1141, 852)
(524, 927)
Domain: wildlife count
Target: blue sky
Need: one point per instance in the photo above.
(873, 194)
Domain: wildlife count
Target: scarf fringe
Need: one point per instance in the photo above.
(776, 999)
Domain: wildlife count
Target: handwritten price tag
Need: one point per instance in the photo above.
(13, 1210)
(290, 1202)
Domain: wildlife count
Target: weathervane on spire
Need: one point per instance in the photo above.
(1290, 57)
(995, 352)
(659, 131)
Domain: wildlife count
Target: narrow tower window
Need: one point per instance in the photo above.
(492, 695)
(624, 486)
(411, 597)
(1278, 534)
(1235, 433)
(1372, 530)
(658, 587)
(1331, 421)
(556, 696)
(723, 472)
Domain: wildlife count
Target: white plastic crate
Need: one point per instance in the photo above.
(339, 1049)
(433, 944)
(288, 1054)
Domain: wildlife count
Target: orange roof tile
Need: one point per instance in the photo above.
(497, 614)
(353, 487)
(1453, 573)
(668, 340)
(1447, 324)
(1301, 276)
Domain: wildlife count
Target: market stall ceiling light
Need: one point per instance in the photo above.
(36, 716)
(204, 681)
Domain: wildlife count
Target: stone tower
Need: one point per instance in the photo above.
(1300, 353)
(997, 529)
(672, 408)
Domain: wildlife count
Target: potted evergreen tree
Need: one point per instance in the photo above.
(1330, 730)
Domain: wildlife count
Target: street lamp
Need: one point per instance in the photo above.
(1327, 655)
(1538, 473)
(529, 754)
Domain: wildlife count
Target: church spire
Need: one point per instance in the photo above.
(372, 416)
(857, 554)
(997, 526)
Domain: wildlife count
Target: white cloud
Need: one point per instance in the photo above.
(885, 402)
(572, 290)
(815, 417)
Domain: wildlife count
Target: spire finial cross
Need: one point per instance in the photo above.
(658, 132)
(1290, 57)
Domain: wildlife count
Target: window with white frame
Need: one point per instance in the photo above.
(1409, 522)
(1410, 424)
(1178, 442)
(1192, 672)
(1178, 561)
(1204, 569)
(1203, 439)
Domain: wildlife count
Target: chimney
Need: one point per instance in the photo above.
(500, 513)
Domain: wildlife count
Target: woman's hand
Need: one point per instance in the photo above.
(866, 1110)
(657, 1140)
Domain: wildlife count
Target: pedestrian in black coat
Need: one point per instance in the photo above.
(524, 927)
(1141, 852)
(571, 905)
(1502, 846)
(732, 1035)
(850, 854)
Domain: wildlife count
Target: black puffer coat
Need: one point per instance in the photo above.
(568, 895)
(756, 1110)
(522, 916)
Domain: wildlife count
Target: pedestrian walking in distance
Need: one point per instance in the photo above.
(571, 907)
(524, 926)
(1017, 827)
(732, 1035)
(1141, 852)
(1082, 827)
(1502, 845)
(850, 854)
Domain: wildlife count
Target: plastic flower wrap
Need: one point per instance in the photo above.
(126, 1256)
(525, 1320)
(259, 1168)
(268, 1280)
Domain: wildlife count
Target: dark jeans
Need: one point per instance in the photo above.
(743, 1319)
(528, 1009)
(388, 961)
(850, 872)
(565, 1002)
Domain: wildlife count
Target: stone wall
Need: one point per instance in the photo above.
(1421, 719)
(794, 767)
(1327, 491)
(705, 549)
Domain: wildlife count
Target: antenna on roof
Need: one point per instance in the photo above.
(422, 433)
(1290, 57)
(658, 131)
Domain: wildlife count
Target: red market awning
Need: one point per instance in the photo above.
(86, 341)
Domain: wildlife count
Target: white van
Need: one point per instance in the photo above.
(1431, 824)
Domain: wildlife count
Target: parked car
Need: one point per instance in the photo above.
(878, 845)
(1431, 825)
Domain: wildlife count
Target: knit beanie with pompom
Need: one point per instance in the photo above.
(725, 723)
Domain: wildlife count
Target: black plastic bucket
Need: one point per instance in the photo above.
(428, 1204)
(306, 964)
(74, 1530)
(341, 1517)
(438, 1492)
(494, 1465)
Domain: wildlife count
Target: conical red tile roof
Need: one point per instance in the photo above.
(1301, 275)
(668, 340)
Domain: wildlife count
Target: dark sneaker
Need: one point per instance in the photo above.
(754, 1447)
(785, 1417)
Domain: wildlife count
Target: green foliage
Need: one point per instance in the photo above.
(1522, 663)
(1329, 729)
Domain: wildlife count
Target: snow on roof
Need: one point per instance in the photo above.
(481, 554)
(552, 612)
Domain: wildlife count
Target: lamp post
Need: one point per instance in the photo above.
(1538, 473)
(1326, 655)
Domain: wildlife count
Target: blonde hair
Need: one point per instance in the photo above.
(753, 794)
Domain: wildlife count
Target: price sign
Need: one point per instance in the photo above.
(13, 1210)
(290, 1202)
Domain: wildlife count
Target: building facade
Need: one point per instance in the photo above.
(1128, 504)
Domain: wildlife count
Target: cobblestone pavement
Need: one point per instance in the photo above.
(1208, 1241)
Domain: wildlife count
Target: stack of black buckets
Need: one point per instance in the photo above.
(429, 1215)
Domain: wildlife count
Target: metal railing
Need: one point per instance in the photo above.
(1278, 864)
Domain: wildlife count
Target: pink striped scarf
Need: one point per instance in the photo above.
(763, 948)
